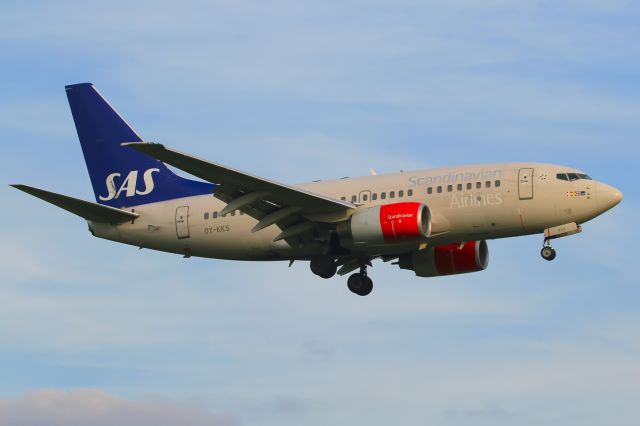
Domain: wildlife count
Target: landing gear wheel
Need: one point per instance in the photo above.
(360, 284)
(324, 267)
(548, 253)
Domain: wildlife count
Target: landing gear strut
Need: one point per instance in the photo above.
(359, 283)
(547, 252)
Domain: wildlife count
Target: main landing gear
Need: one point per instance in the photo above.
(547, 252)
(359, 283)
(324, 266)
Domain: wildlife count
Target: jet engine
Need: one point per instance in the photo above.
(388, 223)
(448, 259)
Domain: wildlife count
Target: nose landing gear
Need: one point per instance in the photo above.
(359, 283)
(547, 252)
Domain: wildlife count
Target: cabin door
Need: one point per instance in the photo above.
(182, 222)
(525, 184)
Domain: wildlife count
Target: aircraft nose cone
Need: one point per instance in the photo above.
(608, 196)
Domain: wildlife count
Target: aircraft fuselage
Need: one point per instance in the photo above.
(467, 203)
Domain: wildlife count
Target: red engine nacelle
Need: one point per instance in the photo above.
(388, 223)
(449, 259)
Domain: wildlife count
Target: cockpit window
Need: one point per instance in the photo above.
(572, 176)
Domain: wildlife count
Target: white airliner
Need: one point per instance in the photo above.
(433, 222)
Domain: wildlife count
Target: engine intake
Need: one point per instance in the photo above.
(388, 223)
(448, 259)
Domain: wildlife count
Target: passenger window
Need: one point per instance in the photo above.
(383, 195)
(459, 187)
(353, 198)
(449, 188)
(365, 197)
(429, 190)
(410, 192)
(343, 198)
(488, 184)
(497, 184)
(224, 215)
(439, 189)
(469, 185)
(401, 193)
(206, 215)
(562, 176)
(214, 215)
(392, 194)
(374, 196)
(478, 185)
(233, 213)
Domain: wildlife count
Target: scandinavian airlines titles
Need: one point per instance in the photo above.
(454, 177)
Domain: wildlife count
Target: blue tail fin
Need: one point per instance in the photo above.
(121, 176)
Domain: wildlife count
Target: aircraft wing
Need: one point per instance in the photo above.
(227, 177)
(267, 201)
(85, 209)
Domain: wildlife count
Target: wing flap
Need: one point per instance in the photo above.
(85, 209)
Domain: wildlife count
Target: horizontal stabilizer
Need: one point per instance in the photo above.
(90, 211)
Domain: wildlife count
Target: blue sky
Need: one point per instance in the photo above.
(92, 332)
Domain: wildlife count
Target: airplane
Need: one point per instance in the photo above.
(433, 222)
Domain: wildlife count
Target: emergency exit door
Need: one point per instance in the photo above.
(182, 222)
(525, 184)
(364, 196)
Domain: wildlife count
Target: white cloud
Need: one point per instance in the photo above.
(93, 407)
